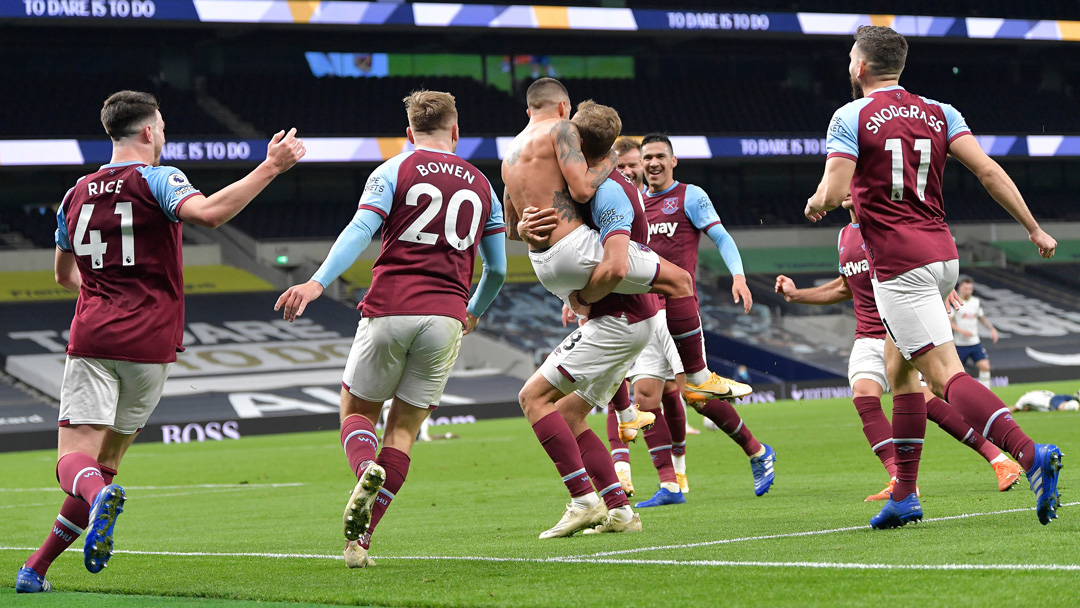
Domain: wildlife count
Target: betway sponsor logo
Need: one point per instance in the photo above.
(855, 267)
(214, 431)
(664, 228)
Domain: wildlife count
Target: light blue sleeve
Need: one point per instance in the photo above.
(379, 189)
(611, 210)
(727, 247)
(349, 245)
(63, 241)
(493, 253)
(495, 223)
(839, 239)
(843, 135)
(699, 208)
(954, 121)
(170, 187)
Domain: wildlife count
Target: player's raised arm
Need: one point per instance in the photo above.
(1000, 186)
(833, 292)
(212, 211)
(581, 179)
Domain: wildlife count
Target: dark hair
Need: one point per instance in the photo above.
(885, 50)
(653, 138)
(544, 92)
(965, 279)
(124, 111)
(598, 126)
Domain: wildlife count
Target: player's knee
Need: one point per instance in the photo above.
(684, 284)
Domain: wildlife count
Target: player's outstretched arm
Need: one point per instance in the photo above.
(1000, 186)
(834, 291)
(349, 245)
(212, 211)
(581, 179)
(66, 270)
(510, 216)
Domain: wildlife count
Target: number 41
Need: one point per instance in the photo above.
(95, 247)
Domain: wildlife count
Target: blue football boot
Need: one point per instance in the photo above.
(661, 498)
(29, 581)
(762, 468)
(108, 505)
(1043, 478)
(895, 514)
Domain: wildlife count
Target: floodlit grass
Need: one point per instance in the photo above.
(490, 493)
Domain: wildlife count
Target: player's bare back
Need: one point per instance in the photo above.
(533, 177)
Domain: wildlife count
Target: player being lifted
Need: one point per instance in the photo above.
(888, 149)
(544, 170)
(435, 210)
(589, 366)
(118, 244)
(965, 325)
(866, 365)
(678, 214)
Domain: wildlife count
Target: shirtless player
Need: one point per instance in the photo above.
(545, 169)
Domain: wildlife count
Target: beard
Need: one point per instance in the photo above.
(856, 89)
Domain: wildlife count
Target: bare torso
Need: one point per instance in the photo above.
(533, 178)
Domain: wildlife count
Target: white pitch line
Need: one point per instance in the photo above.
(184, 487)
(644, 562)
(833, 565)
(798, 534)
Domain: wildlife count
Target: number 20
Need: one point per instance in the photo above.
(922, 146)
(415, 232)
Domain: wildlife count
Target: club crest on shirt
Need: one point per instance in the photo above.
(177, 180)
(671, 206)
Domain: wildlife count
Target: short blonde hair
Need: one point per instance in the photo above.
(625, 144)
(430, 111)
(598, 126)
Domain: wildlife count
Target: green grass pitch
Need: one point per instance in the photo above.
(463, 530)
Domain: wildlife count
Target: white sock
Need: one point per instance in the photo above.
(586, 501)
(760, 452)
(984, 379)
(698, 377)
(680, 463)
(671, 486)
(622, 467)
(627, 415)
(1000, 458)
(622, 514)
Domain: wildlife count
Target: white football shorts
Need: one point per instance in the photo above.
(118, 394)
(867, 361)
(912, 306)
(660, 359)
(593, 360)
(407, 356)
(567, 265)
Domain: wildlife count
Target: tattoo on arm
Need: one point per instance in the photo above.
(510, 217)
(565, 205)
(568, 142)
